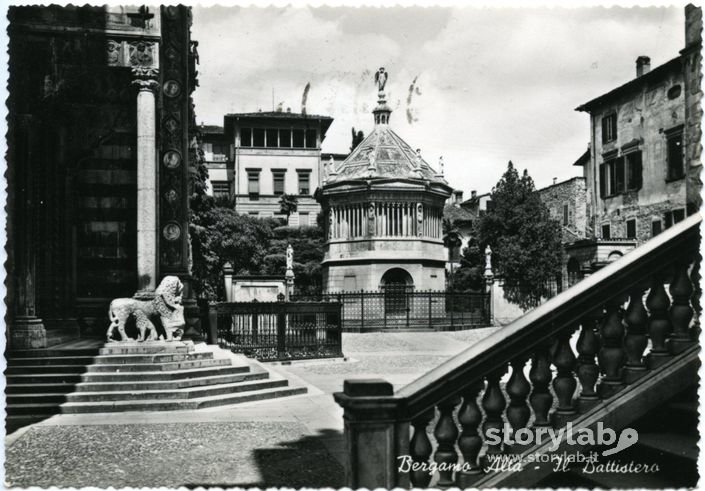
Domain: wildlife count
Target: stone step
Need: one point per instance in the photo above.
(170, 384)
(61, 353)
(97, 368)
(187, 393)
(50, 360)
(132, 385)
(74, 378)
(146, 347)
(178, 404)
(110, 359)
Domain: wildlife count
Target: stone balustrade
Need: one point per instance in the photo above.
(652, 293)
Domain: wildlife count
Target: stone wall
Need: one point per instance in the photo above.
(351, 277)
(571, 193)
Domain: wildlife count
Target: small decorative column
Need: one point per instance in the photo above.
(289, 275)
(146, 182)
(489, 283)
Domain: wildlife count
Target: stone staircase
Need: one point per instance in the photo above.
(149, 376)
(668, 437)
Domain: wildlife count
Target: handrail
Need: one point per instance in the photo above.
(378, 420)
(526, 332)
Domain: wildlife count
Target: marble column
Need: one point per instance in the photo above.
(26, 329)
(146, 185)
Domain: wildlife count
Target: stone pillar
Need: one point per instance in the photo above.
(26, 329)
(146, 186)
(375, 435)
(489, 283)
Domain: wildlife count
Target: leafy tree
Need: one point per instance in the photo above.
(525, 241)
(452, 240)
(470, 274)
(288, 204)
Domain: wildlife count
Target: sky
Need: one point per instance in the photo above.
(478, 86)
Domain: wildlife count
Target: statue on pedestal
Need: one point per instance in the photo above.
(166, 305)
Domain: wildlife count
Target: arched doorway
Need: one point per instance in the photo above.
(395, 285)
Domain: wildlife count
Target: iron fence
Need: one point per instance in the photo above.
(277, 330)
(403, 308)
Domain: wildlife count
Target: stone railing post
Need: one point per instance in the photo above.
(374, 435)
(228, 279)
(489, 284)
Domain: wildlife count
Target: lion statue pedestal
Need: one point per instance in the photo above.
(166, 305)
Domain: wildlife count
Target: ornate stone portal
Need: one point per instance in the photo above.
(385, 209)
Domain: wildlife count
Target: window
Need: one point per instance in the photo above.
(272, 138)
(298, 140)
(620, 175)
(278, 182)
(304, 182)
(253, 213)
(310, 138)
(258, 137)
(606, 231)
(631, 229)
(220, 149)
(245, 137)
(253, 184)
(672, 217)
(674, 145)
(221, 188)
(655, 228)
(285, 138)
(609, 128)
(565, 215)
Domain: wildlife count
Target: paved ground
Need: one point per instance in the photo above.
(295, 441)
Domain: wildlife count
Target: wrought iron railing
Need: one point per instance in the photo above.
(277, 330)
(443, 417)
(407, 309)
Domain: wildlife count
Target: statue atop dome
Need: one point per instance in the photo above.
(381, 79)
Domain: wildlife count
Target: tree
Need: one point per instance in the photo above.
(525, 241)
(288, 204)
(452, 240)
(470, 274)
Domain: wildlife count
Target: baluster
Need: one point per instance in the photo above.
(681, 313)
(564, 384)
(635, 341)
(611, 355)
(540, 376)
(420, 449)
(470, 441)
(659, 325)
(518, 412)
(588, 371)
(695, 297)
(493, 402)
(446, 434)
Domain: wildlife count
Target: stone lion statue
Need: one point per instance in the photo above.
(166, 305)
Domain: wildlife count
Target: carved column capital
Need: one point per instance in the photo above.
(145, 79)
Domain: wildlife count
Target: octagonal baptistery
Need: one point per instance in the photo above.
(384, 210)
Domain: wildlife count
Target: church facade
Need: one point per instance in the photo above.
(100, 128)
(384, 209)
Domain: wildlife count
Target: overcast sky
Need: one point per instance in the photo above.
(477, 86)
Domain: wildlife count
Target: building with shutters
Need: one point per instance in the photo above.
(276, 153)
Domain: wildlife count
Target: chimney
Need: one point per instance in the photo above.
(555, 180)
(473, 194)
(643, 65)
(458, 194)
